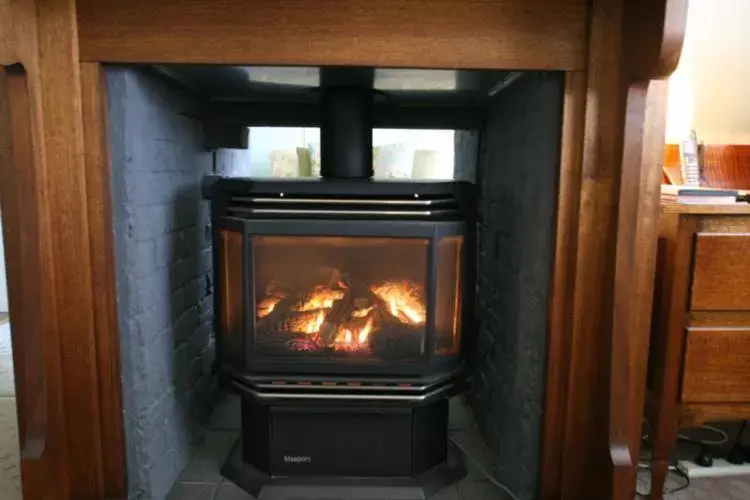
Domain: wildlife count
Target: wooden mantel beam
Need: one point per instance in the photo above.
(507, 34)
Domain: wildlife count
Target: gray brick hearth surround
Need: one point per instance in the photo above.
(517, 172)
(163, 266)
(164, 275)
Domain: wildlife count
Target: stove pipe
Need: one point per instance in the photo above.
(346, 133)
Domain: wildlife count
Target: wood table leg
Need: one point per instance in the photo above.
(659, 470)
(672, 287)
(664, 437)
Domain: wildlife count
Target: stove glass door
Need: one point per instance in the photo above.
(324, 297)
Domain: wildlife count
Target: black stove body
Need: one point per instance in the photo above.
(342, 308)
(341, 311)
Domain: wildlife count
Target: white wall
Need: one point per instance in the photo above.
(710, 91)
(263, 140)
(440, 141)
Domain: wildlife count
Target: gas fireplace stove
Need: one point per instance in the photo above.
(342, 305)
(341, 308)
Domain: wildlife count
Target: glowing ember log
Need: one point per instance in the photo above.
(361, 313)
(322, 297)
(341, 313)
(352, 339)
(305, 322)
(267, 305)
(275, 293)
(403, 299)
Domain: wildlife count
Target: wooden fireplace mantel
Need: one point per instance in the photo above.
(56, 203)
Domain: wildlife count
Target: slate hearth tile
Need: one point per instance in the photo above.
(192, 491)
(449, 493)
(459, 416)
(226, 416)
(210, 456)
(471, 490)
(229, 491)
(472, 442)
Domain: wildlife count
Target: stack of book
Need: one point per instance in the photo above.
(697, 196)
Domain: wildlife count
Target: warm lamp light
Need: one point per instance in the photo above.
(680, 110)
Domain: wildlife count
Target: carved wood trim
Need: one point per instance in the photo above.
(44, 41)
(654, 34)
(613, 277)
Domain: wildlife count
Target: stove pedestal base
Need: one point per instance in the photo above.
(265, 487)
(342, 447)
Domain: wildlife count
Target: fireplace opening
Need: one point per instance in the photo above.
(347, 299)
(362, 280)
(319, 297)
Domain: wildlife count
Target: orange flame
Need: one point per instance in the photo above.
(313, 325)
(307, 313)
(403, 301)
(322, 297)
(361, 313)
(348, 340)
(267, 306)
(365, 332)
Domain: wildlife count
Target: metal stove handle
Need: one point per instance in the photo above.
(290, 200)
(310, 211)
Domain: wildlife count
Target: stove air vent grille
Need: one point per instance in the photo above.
(435, 207)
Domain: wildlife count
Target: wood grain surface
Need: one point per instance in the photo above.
(721, 276)
(571, 35)
(726, 166)
(38, 387)
(507, 34)
(43, 44)
(717, 366)
(722, 166)
(560, 309)
(654, 34)
(587, 417)
(637, 230)
(693, 415)
(676, 208)
(718, 318)
(668, 338)
(99, 211)
(59, 131)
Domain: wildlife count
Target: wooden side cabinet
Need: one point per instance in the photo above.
(699, 368)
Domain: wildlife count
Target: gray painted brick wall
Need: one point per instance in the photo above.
(163, 270)
(517, 174)
(465, 155)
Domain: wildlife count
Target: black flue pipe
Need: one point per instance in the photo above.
(346, 133)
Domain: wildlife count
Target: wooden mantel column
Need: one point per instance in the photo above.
(45, 203)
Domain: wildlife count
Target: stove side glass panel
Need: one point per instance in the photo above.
(230, 277)
(448, 296)
(355, 298)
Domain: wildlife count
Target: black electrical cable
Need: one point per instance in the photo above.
(737, 454)
(683, 486)
(741, 431)
(673, 468)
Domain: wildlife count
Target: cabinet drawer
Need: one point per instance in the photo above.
(721, 272)
(717, 365)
